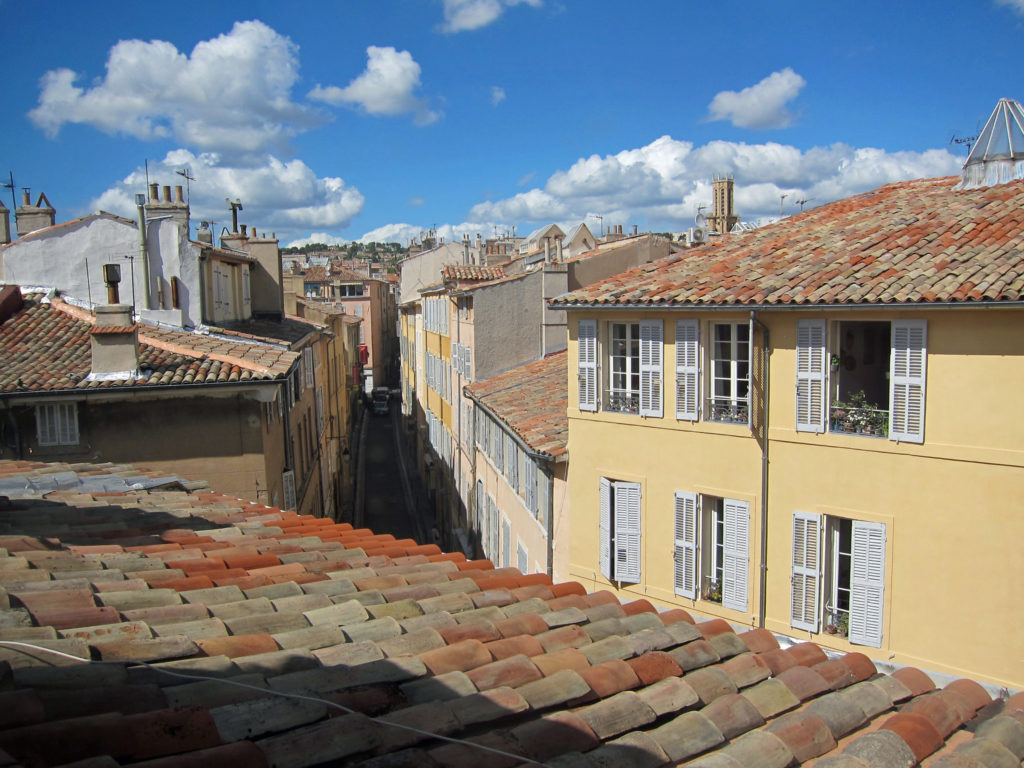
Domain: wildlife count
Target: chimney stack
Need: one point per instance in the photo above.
(176, 210)
(115, 343)
(30, 217)
(5, 224)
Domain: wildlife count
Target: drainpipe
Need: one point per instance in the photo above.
(550, 479)
(140, 203)
(762, 596)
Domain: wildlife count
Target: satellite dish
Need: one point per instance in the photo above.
(701, 220)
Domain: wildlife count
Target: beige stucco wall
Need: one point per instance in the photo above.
(954, 592)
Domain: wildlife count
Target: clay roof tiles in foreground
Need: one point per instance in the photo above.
(910, 242)
(532, 401)
(297, 641)
(46, 347)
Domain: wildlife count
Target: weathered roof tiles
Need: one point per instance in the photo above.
(399, 654)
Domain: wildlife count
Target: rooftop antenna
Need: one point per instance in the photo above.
(802, 201)
(782, 199)
(600, 218)
(968, 140)
(187, 173)
(14, 203)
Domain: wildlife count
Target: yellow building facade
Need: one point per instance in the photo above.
(794, 430)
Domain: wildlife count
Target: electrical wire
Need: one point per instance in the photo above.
(520, 759)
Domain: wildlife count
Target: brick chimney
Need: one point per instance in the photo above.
(115, 343)
(32, 217)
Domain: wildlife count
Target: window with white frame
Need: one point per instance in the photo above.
(872, 383)
(530, 484)
(57, 424)
(838, 577)
(512, 461)
(506, 542)
(633, 358)
(522, 558)
(619, 530)
(712, 549)
(729, 377)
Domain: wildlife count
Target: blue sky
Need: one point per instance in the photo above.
(377, 119)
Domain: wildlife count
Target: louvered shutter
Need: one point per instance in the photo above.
(506, 543)
(686, 545)
(810, 376)
(803, 613)
(587, 367)
(909, 350)
(288, 483)
(627, 532)
(651, 335)
(687, 370)
(468, 362)
(604, 526)
(867, 583)
(736, 554)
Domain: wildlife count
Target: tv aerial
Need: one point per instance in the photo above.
(186, 172)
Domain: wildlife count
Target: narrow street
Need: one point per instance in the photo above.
(387, 501)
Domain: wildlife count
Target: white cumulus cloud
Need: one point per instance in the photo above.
(463, 15)
(661, 185)
(230, 95)
(759, 106)
(386, 87)
(284, 197)
(497, 95)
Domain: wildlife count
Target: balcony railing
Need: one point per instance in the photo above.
(729, 410)
(859, 419)
(623, 402)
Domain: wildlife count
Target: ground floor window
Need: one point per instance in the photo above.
(712, 549)
(620, 530)
(838, 577)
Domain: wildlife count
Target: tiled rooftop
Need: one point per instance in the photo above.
(531, 400)
(472, 272)
(46, 346)
(232, 633)
(911, 242)
(316, 275)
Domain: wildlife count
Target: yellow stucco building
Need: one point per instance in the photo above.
(813, 427)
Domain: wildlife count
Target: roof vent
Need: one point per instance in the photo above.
(998, 156)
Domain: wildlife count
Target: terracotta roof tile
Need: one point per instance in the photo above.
(541, 672)
(910, 242)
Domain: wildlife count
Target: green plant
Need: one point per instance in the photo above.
(712, 592)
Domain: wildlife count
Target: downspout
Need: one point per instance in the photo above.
(140, 200)
(550, 479)
(203, 316)
(762, 587)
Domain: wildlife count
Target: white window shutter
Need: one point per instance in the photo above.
(736, 555)
(806, 578)
(907, 377)
(467, 359)
(687, 370)
(686, 545)
(867, 583)
(506, 543)
(605, 529)
(627, 532)
(810, 376)
(651, 335)
(288, 482)
(587, 348)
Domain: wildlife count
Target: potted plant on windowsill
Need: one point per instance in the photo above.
(712, 592)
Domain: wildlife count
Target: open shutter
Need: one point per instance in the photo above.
(686, 545)
(909, 349)
(651, 335)
(803, 612)
(506, 543)
(687, 369)
(288, 483)
(627, 532)
(810, 376)
(736, 554)
(605, 529)
(587, 345)
(867, 583)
